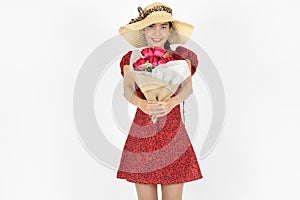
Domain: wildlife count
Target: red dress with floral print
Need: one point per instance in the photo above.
(159, 153)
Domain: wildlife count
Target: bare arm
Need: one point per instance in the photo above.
(129, 88)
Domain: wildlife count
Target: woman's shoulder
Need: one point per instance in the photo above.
(126, 57)
(125, 60)
(186, 53)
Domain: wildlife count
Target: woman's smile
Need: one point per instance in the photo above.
(156, 39)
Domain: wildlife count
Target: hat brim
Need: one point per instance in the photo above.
(133, 35)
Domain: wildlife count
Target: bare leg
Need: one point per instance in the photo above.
(172, 191)
(146, 191)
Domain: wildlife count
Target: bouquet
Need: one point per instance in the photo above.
(158, 74)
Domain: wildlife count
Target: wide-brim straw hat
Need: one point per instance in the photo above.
(151, 14)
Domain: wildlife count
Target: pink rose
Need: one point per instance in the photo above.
(138, 63)
(140, 68)
(147, 52)
(157, 51)
(153, 60)
(162, 61)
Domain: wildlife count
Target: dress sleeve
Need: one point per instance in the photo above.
(125, 61)
(190, 55)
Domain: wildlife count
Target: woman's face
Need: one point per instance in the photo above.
(157, 34)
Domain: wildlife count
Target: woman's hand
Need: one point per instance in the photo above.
(168, 105)
(152, 108)
(158, 108)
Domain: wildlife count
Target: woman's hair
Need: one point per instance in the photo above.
(167, 43)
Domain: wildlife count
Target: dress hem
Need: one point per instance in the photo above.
(155, 182)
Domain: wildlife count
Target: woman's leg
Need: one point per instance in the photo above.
(146, 191)
(172, 191)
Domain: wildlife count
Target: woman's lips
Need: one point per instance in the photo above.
(156, 39)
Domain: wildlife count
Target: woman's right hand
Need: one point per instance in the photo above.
(151, 107)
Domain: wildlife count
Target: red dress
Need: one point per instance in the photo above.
(159, 153)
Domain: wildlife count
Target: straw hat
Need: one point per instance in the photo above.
(154, 13)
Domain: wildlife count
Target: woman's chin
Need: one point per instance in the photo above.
(157, 45)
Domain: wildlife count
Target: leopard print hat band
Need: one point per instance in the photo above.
(143, 14)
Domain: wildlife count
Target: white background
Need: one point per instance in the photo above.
(254, 45)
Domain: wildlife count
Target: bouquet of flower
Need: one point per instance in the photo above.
(158, 74)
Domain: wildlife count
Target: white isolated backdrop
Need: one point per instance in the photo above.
(254, 45)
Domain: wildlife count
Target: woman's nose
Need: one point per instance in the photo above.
(157, 30)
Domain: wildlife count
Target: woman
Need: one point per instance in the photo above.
(159, 153)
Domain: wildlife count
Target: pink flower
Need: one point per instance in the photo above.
(151, 57)
(147, 52)
(140, 68)
(153, 60)
(157, 51)
(138, 63)
(162, 61)
(153, 51)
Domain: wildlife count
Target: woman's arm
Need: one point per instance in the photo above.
(129, 88)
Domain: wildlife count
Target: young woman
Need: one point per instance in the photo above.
(159, 153)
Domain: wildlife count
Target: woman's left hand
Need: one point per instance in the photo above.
(167, 105)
